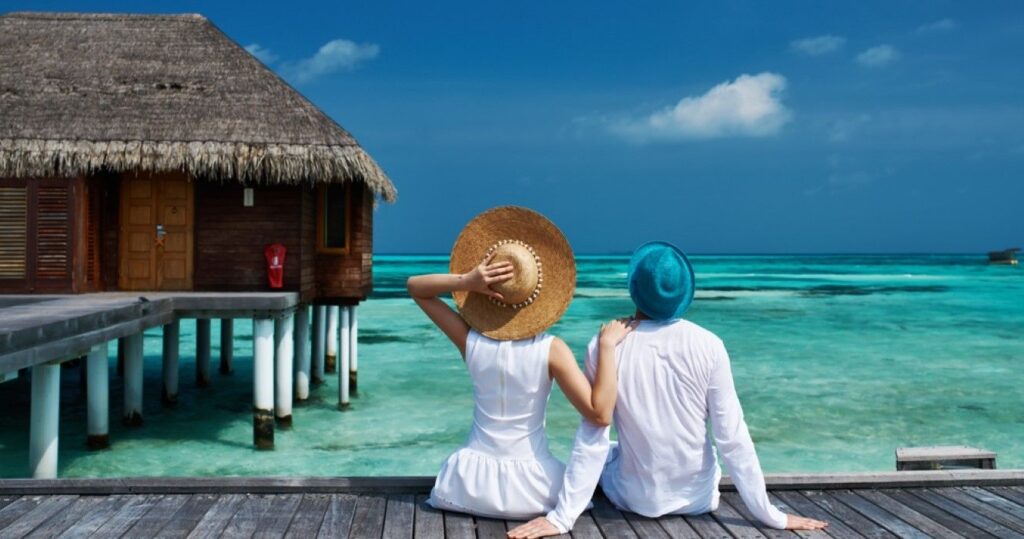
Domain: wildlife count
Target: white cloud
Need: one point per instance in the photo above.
(818, 45)
(334, 56)
(262, 53)
(749, 106)
(879, 56)
(941, 25)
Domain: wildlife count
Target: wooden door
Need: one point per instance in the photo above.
(156, 232)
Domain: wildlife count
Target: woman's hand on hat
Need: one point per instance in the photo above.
(486, 275)
(615, 331)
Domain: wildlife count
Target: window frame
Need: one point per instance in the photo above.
(321, 203)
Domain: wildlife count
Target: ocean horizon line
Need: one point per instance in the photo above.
(696, 253)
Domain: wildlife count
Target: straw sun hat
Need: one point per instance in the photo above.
(544, 272)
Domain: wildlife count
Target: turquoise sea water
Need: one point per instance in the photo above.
(838, 360)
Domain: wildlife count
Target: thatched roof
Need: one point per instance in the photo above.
(87, 92)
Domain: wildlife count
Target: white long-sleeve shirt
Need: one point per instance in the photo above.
(673, 378)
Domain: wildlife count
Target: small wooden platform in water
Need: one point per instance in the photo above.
(907, 504)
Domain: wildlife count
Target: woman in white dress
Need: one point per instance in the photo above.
(512, 276)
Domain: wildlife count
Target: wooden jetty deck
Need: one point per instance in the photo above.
(905, 504)
(290, 354)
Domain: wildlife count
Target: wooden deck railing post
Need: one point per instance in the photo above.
(171, 337)
(284, 347)
(302, 364)
(133, 379)
(203, 352)
(318, 341)
(98, 397)
(263, 383)
(227, 345)
(45, 419)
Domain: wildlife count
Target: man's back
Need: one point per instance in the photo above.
(674, 378)
(665, 462)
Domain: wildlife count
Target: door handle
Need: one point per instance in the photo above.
(160, 233)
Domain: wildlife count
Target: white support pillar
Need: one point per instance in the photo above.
(302, 364)
(346, 354)
(203, 352)
(171, 336)
(263, 383)
(227, 345)
(330, 358)
(45, 420)
(284, 344)
(318, 343)
(133, 379)
(353, 378)
(98, 397)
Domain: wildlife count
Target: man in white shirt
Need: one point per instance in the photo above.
(674, 377)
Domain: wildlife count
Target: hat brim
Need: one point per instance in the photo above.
(653, 310)
(557, 263)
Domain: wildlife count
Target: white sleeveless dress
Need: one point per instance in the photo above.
(505, 469)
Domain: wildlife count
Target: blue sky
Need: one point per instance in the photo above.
(725, 127)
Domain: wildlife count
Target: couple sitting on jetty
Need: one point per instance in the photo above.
(662, 378)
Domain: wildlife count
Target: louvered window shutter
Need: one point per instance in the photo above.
(53, 234)
(13, 232)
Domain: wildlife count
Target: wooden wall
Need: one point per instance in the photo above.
(348, 278)
(230, 238)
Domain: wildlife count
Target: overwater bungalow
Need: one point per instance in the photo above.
(144, 152)
(151, 170)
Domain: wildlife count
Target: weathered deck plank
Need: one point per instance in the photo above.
(907, 514)
(159, 516)
(124, 518)
(677, 527)
(964, 513)
(92, 520)
(308, 516)
(708, 527)
(401, 511)
(217, 517)
(458, 526)
(338, 518)
(803, 506)
(945, 518)
(737, 521)
(368, 521)
(275, 522)
(586, 528)
(1008, 493)
(645, 526)
(188, 516)
(18, 507)
(610, 520)
(489, 528)
(76, 512)
(39, 514)
(429, 522)
(978, 506)
(847, 515)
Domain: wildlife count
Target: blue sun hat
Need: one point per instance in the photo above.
(661, 280)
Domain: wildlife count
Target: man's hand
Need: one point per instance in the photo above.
(538, 527)
(794, 522)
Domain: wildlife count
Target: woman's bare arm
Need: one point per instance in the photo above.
(425, 290)
(595, 403)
